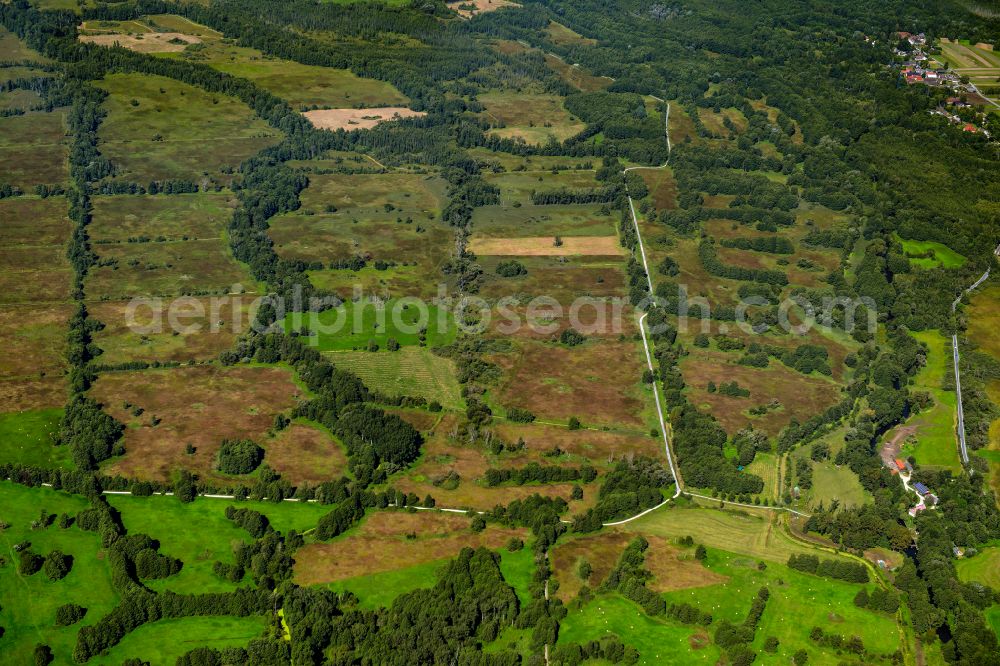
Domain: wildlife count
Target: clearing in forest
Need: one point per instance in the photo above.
(354, 119)
(469, 8)
(555, 246)
(531, 117)
(150, 42)
(411, 371)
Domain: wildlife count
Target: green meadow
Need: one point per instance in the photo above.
(200, 534)
(353, 325)
(935, 443)
(28, 438)
(938, 254)
(29, 602)
(380, 589)
(161, 643)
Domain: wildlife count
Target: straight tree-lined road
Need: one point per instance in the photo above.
(962, 450)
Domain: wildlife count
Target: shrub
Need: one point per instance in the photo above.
(519, 415)
(68, 614)
(57, 565)
(512, 268)
(239, 456)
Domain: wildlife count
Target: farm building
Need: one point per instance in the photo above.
(921, 488)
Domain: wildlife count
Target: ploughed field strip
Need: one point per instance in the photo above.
(374, 332)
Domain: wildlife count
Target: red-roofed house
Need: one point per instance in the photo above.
(900, 464)
(969, 127)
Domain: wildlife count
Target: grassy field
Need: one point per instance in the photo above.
(575, 75)
(750, 534)
(200, 405)
(831, 482)
(323, 237)
(34, 340)
(352, 326)
(563, 36)
(518, 186)
(199, 533)
(658, 641)
(811, 600)
(165, 133)
(28, 438)
(30, 602)
(562, 278)
(934, 443)
(172, 217)
(940, 254)
(162, 642)
(142, 330)
(380, 589)
(662, 187)
(765, 465)
(302, 86)
(166, 269)
(528, 220)
(533, 118)
(983, 567)
(33, 149)
(412, 371)
(13, 49)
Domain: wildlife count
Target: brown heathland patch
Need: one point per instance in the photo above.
(599, 446)
(599, 246)
(469, 8)
(381, 544)
(21, 394)
(200, 405)
(797, 393)
(597, 382)
(444, 454)
(676, 570)
(305, 453)
(601, 550)
(662, 187)
(352, 119)
(150, 42)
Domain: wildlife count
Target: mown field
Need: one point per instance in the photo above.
(359, 325)
(934, 444)
(412, 371)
